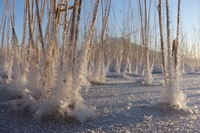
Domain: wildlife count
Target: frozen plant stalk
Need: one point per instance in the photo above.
(172, 93)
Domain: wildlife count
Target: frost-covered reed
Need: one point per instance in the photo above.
(43, 76)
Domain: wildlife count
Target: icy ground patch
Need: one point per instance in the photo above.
(120, 107)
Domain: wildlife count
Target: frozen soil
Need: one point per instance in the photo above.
(122, 105)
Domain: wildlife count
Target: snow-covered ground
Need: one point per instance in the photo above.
(122, 105)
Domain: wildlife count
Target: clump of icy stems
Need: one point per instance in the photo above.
(172, 93)
(43, 76)
(148, 79)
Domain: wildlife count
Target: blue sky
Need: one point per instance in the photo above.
(190, 14)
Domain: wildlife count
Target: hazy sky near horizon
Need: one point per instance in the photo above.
(190, 14)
